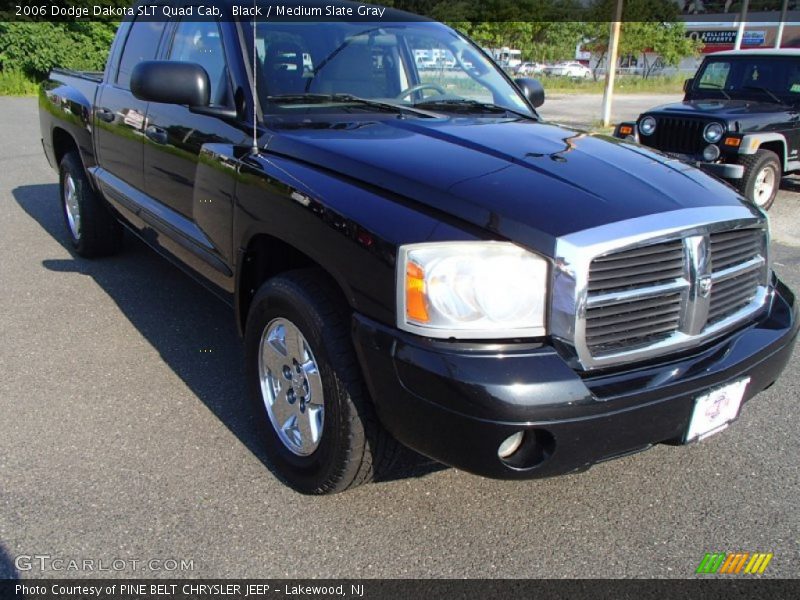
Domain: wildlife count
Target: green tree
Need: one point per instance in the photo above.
(647, 26)
(35, 48)
(536, 27)
(540, 41)
(666, 39)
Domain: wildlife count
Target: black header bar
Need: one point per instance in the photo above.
(718, 13)
(371, 589)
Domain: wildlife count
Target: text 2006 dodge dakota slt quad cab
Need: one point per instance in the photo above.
(413, 255)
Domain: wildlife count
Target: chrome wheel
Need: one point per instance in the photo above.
(291, 387)
(71, 205)
(764, 186)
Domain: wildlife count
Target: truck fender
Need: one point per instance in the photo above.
(752, 142)
(65, 113)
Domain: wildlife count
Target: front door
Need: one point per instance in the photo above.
(189, 159)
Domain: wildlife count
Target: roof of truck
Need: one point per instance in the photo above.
(764, 52)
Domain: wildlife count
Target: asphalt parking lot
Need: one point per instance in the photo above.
(585, 110)
(125, 435)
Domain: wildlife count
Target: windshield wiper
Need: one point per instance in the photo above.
(299, 98)
(766, 91)
(472, 104)
(349, 99)
(715, 86)
(383, 104)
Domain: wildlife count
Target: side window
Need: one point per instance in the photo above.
(793, 78)
(714, 76)
(201, 43)
(141, 44)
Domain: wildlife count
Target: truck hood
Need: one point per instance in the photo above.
(528, 181)
(721, 109)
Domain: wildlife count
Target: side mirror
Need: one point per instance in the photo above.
(687, 85)
(171, 82)
(532, 90)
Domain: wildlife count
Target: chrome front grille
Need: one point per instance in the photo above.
(730, 248)
(632, 324)
(736, 266)
(618, 315)
(664, 293)
(638, 267)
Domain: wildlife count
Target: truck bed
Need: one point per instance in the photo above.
(95, 76)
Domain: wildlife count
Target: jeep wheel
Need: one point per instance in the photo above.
(92, 229)
(761, 179)
(311, 404)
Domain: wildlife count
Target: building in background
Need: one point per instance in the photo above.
(715, 23)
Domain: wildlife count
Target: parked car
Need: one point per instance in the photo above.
(570, 69)
(530, 68)
(737, 120)
(410, 264)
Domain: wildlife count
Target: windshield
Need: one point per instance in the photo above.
(314, 67)
(767, 78)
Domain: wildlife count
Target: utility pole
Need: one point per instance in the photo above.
(779, 35)
(742, 19)
(611, 63)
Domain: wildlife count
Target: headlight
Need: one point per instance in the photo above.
(647, 126)
(471, 290)
(713, 133)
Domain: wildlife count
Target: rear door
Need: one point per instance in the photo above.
(119, 116)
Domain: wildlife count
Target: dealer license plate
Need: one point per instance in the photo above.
(714, 411)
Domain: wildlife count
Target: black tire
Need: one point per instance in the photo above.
(353, 447)
(98, 232)
(754, 164)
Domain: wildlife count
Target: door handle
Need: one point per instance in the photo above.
(105, 115)
(156, 134)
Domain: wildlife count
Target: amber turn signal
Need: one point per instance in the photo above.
(732, 141)
(625, 130)
(416, 308)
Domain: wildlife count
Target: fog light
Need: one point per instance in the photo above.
(510, 445)
(711, 153)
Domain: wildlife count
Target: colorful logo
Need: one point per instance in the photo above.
(734, 563)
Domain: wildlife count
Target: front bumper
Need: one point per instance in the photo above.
(456, 403)
(723, 170)
(718, 169)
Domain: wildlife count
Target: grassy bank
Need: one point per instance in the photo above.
(14, 83)
(672, 84)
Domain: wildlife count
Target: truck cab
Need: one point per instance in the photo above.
(738, 120)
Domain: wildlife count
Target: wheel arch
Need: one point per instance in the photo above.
(265, 256)
(779, 148)
(774, 142)
(63, 142)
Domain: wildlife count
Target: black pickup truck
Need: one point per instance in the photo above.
(414, 255)
(739, 120)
